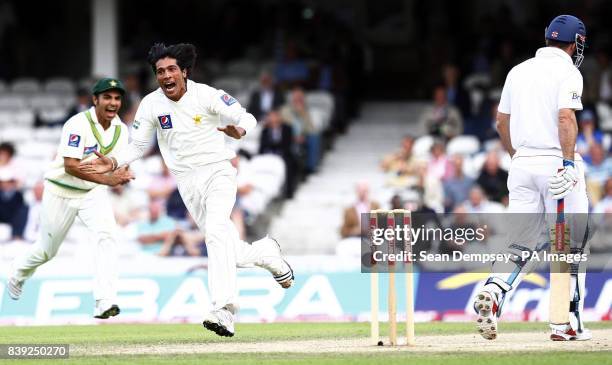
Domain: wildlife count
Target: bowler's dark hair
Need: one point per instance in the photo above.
(184, 54)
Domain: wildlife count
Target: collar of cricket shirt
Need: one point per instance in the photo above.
(554, 52)
(90, 114)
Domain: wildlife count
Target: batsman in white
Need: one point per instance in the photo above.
(537, 126)
(70, 193)
(187, 117)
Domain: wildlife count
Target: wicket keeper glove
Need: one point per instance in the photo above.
(563, 181)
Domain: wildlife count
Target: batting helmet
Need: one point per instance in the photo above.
(568, 29)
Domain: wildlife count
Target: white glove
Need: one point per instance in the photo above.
(563, 182)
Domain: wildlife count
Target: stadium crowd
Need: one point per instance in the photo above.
(303, 96)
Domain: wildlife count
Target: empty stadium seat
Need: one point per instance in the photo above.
(321, 99)
(60, 85)
(16, 133)
(250, 142)
(45, 101)
(422, 145)
(13, 101)
(477, 80)
(268, 66)
(48, 134)
(16, 118)
(26, 86)
(320, 118)
(24, 117)
(53, 115)
(230, 85)
(463, 145)
(242, 68)
(30, 149)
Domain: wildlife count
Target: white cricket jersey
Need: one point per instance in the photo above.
(80, 138)
(534, 92)
(187, 129)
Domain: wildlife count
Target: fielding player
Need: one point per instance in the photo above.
(70, 193)
(187, 118)
(537, 125)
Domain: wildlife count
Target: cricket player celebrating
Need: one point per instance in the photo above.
(537, 126)
(187, 118)
(70, 193)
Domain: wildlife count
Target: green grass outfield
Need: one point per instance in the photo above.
(155, 335)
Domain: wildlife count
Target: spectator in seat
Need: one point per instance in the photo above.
(32, 227)
(175, 208)
(442, 119)
(599, 169)
(351, 225)
(422, 216)
(478, 203)
(503, 63)
(438, 166)
(292, 70)
(185, 240)
(455, 93)
(162, 185)
(605, 204)
(277, 138)
(602, 219)
(244, 187)
(126, 207)
(8, 164)
(457, 186)
(401, 162)
(132, 98)
(266, 98)
(296, 114)
(489, 130)
(599, 85)
(493, 179)
(153, 232)
(82, 102)
(588, 133)
(13, 209)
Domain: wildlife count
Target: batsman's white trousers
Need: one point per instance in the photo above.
(209, 193)
(533, 207)
(528, 185)
(58, 214)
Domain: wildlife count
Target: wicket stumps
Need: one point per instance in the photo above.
(391, 219)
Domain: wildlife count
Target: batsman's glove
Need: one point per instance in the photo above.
(563, 181)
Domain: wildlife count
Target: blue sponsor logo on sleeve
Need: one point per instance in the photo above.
(91, 149)
(165, 121)
(74, 140)
(227, 99)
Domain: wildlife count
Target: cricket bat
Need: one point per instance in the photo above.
(559, 271)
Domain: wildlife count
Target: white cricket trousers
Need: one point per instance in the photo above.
(209, 193)
(533, 209)
(57, 216)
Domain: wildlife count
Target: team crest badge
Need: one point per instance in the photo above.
(197, 119)
(74, 140)
(165, 121)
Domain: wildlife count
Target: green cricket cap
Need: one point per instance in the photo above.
(108, 84)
